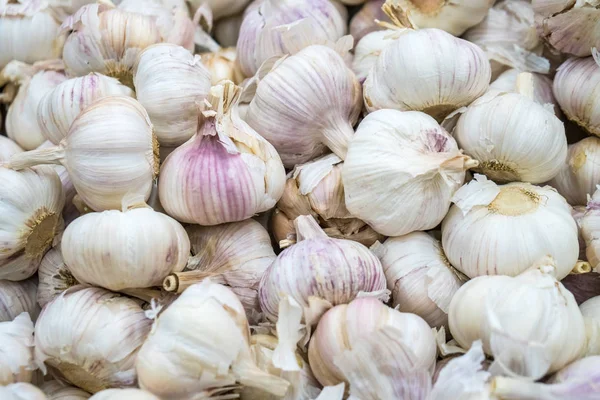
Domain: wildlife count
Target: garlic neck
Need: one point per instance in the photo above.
(337, 138)
(50, 155)
(308, 228)
(42, 231)
(515, 201)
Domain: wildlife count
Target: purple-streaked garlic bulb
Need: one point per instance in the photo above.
(363, 21)
(18, 297)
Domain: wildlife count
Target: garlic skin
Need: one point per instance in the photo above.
(59, 107)
(222, 66)
(530, 341)
(68, 324)
(345, 268)
(367, 51)
(575, 85)
(395, 80)
(21, 391)
(355, 322)
(363, 22)
(16, 345)
(590, 310)
(56, 390)
(394, 155)
(8, 147)
(225, 149)
(421, 279)
(31, 202)
(542, 87)
(201, 343)
(109, 152)
(124, 394)
(489, 212)
(219, 8)
(170, 82)
(16, 298)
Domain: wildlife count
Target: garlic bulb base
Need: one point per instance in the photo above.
(82, 378)
(120, 72)
(514, 201)
(439, 111)
(43, 225)
(498, 171)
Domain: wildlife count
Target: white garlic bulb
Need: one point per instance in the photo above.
(54, 277)
(319, 272)
(56, 390)
(530, 324)
(513, 137)
(222, 66)
(110, 151)
(201, 342)
(21, 391)
(225, 149)
(31, 202)
(16, 298)
(115, 325)
(355, 322)
(578, 176)
(461, 70)
(16, 347)
(578, 212)
(479, 234)
(8, 147)
(170, 82)
(575, 85)
(590, 226)
(542, 87)
(363, 22)
(393, 156)
(590, 310)
(260, 38)
(367, 51)
(124, 394)
(420, 277)
(289, 102)
(220, 8)
(59, 107)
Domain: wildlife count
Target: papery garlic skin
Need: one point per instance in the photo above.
(488, 212)
(16, 298)
(170, 83)
(542, 87)
(222, 66)
(421, 279)
(124, 394)
(363, 22)
(21, 391)
(393, 156)
(355, 322)
(220, 8)
(67, 325)
(16, 346)
(367, 51)
(590, 310)
(58, 108)
(8, 147)
(56, 390)
(288, 108)
(31, 202)
(461, 70)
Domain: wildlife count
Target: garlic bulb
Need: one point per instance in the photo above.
(345, 268)
(367, 51)
(16, 347)
(227, 30)
(394, 156)
(420, 277)
(222, 66)
(578, 213)
(363, 22)
(170, 82)
(575, 86)
(67, 326)
(59, 107)
(220, 8)
(124, 394)
(8, 147)
(30, 205)
(16, 298)
(225, 149)
(479, 234)
(461, 70)
(591, 316)
(54, 277)
(542, 87)
(21, 391)
(110, 151)
(528, 341)
(513, 137)
(356, 322)
(261, 38)
(590, 225)
(316, 189)
(56, 390)
(200, 343)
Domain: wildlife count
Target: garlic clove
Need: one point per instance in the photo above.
(8, 147)
(124, 394)
(21, 391)
(363, 22)
(17, 298)
(56, 390)
(16, 345)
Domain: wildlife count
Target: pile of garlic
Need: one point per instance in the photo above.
(299, 199)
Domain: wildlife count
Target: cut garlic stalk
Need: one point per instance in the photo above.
(16, 347)
(124, 394)
(8, 147)
(363, 22)
(21, 391)
(54, 277)
(56, 390)
(16, 298)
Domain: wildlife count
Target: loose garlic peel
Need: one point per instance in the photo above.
(16, 298)
(124, 394)
(16, 346)
(204, 339)
(68, 324)
(493, 214)
(31, 202)
(591, 316)
(395, 156)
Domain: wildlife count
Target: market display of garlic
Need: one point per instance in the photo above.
(319, 272)
(57, 390)
(590, 310)
(542, 87)
(109, 152)
(204, 338)
(222, 66)
(367, 51)
(393, 156)
(21, 391)
(67, 326)
(488, 212)
(363, 22)
(31, 202)
(590, 227)
(17, 298)
(123, 394)
(16, 347)
(7, 148)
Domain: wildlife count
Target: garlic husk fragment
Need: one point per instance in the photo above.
(227, 30)
(575, 87)
(316, 189)
(542, 87)
(16, 298)
(513, 137)
(345, 268)
(109, 152)
(590, 310)
(421, 279)
(59, 107)
(225, 149)
(31, 202)
(170, 82)
(56, 390)
(530, 324)
(8, 147)
(590, 226)
(67, 326)
(124, 394)
(493, 214)
(461, 69)
(358, 322)
(367, 51)
(21, 391)
(222, 66)
(394, 156)
(363, 22)
(219, 8)
(201, 342)
(16, 346)
(261, 34)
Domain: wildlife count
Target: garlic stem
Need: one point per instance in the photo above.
(510, 388)
(179, 281)
(50, 155)
(581, 267)
(338, 137)
(249, 374)
(308, 228)
(146, 294)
